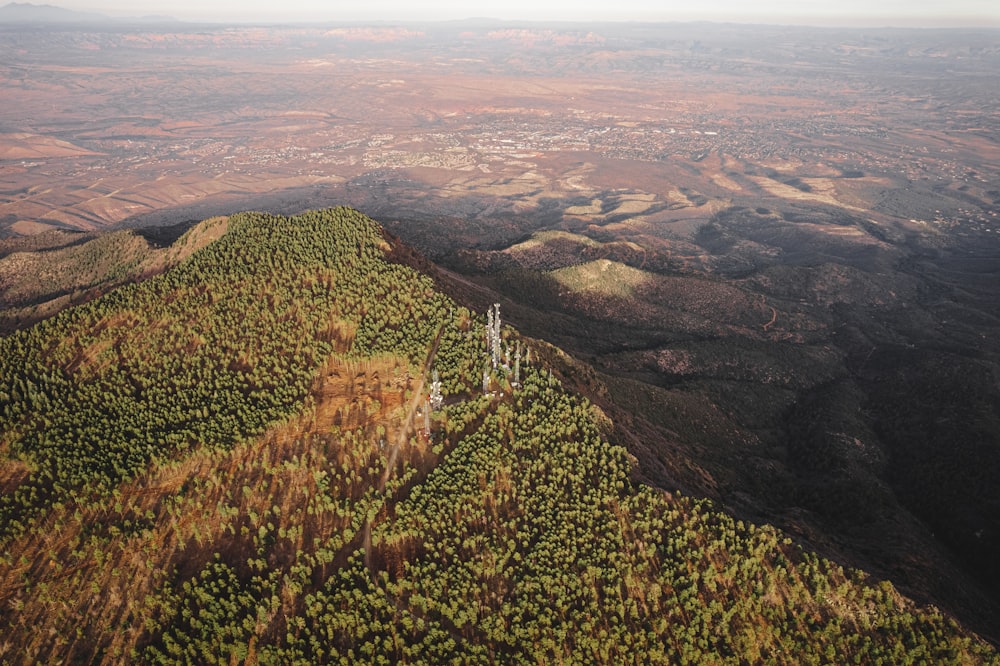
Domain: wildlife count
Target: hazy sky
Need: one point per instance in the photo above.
(880, 12)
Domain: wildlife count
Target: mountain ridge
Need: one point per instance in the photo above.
(28, 12)
(298, 502)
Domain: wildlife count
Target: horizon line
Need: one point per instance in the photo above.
(831, 23)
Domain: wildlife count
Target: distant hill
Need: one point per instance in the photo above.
(26, 12)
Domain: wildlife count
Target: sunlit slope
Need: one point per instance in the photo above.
(237, 461)
(42, 274)
(209, 353)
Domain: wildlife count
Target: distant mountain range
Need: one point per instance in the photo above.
(26, 12)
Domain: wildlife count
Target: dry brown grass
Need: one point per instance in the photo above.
(35, 285)
(607, 278)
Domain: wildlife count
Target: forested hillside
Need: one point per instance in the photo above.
(289, 449)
